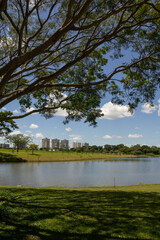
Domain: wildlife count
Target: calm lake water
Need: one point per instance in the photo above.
(82, 173)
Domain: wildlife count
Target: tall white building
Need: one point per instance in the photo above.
(45, 143)
(76, 144)
(55, 143)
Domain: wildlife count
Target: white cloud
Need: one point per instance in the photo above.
(15, 111)
(3, 108)
(33, 126)
(52, 100)
(148, 108)
(110, 137)
(61, 113)
(75, 137)
(119, 137)
(113, 111)
(28, 131)
(15, 132)
(107, 137)
(39, 135)
(135, 135)
(31, 3)
(68, 129)
(7, 42)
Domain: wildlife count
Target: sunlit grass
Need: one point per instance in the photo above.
(57, 155)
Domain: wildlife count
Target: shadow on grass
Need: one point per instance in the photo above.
(88, 215)
(6, 157)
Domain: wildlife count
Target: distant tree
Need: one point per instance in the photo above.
(155, 150)
(33, 147)
(19, 140)
(53, 53)
(107, 147)
(146, 149)
(46, 149)
(125, 150)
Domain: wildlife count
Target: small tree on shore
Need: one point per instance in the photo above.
(33, 147)
(19, 140)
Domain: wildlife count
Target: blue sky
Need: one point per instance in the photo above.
(117, 126)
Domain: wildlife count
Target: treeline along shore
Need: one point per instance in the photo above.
(108, 152)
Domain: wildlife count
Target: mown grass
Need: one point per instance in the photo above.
(6, 155)
(131, 212)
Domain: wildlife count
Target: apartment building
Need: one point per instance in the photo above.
(85, 144)
(64, 144)
(4, 145)
(76, 144)
(45, 143)
(55, 143)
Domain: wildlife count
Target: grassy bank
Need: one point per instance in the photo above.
(22, 155)
(131, 212)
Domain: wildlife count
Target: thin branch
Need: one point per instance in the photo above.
(37, 110)
(11, 21)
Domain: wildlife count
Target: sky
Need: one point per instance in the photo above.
(117, 126)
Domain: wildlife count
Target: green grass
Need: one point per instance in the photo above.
(7, 155)
(131, 212)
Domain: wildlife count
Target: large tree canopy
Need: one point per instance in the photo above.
(19, 140)
(53, 54)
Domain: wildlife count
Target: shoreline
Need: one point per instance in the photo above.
(43, 160)
(140, 187)
(43, 156)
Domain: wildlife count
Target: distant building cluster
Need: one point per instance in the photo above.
(56, 144)
(79, 145)
(4, 145)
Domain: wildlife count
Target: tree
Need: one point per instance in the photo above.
(53, 54)
(19, 140)
(33, 147)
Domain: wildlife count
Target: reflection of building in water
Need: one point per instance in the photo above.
(55, 143)
(4, 145)
(45, 143)
(64, 144)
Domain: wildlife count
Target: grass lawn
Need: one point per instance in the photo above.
(131, 212)
(7, 155)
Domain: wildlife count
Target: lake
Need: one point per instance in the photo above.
(81, 173)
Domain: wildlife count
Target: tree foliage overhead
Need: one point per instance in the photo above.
(53, 54)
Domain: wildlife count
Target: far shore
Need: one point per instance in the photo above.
(7, 155)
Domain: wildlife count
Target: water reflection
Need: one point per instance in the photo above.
(82, 173)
